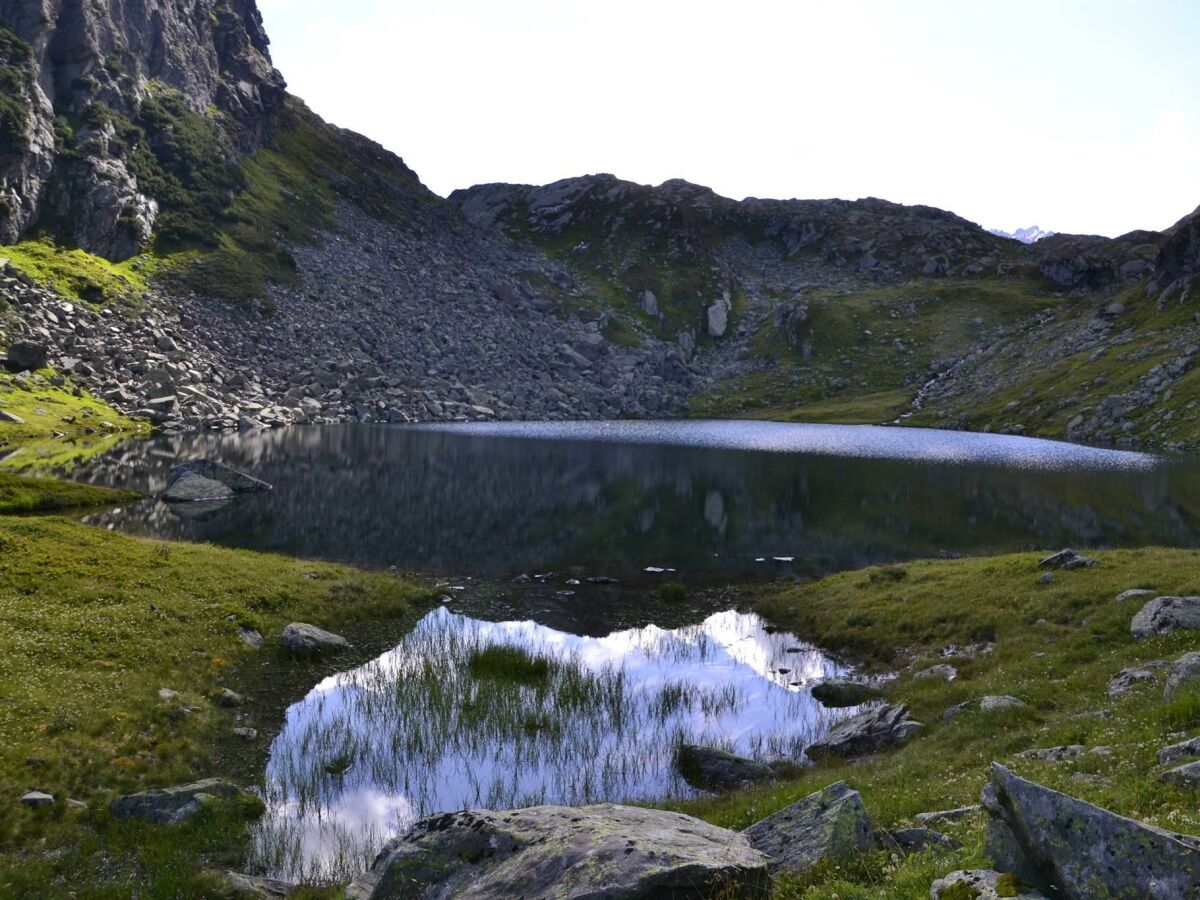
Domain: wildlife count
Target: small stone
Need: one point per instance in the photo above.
(1187, 775)
(230, 698)
(167, 694)
(1190, 747)
(1053, 754)
(1132, 594)
(914, 840)
(37, 799)
(709, 768)
(980, 884)
(1185, 673)
(303, 639)
(943, 816)
(1046, 578)
(249, 734)
(941, 670)
(838, 693)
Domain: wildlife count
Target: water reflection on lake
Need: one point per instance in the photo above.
(711, 499)
(415, 731)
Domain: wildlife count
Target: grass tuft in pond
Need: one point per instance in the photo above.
(501, 663)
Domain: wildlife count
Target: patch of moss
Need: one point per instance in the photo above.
(78, 275)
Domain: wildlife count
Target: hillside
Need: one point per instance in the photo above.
(194, 246)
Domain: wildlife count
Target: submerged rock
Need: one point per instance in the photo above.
(837, 693)
(1077, 850)
(867, 732)
(711, 769)
(191, 487)
(830, 824)
(171, 805)
(1162, 615)
(609, 851)
(303, 639)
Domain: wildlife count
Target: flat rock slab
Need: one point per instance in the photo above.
(837, 693)
(980, 884)
(1187, 775)
(868, 732)
(710, 769)
(1054, 754)
(942, 816)
(914, 840)
(303, 639)
(1077, 850)
(1066, 559)
(171, 805)
(37, 799)
(542, 852)
(1190, 747)
(1127, 679)
(830, 824)
(1133, 594)
(1162, 615)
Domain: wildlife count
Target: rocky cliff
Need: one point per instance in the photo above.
(281, 270)
(115, 113)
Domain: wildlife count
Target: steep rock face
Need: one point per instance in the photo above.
(77, 139)
(1177, 268)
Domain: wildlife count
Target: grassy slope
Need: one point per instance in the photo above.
(1057, 646)
(45, 441)
(93, 625)
(77, 275)
(35, 495)
(870, 350)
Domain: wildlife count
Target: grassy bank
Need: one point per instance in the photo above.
(19, 495)
(94, 625)
(1057, 646)
(58, 423)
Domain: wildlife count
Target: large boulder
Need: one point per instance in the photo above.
(830, 824)
(836, 693)
(1162, 615)
(172, 805)
(23, 356)
(710, 769)
(204, 479)
(303, 639)
(1182, 750)
(867, 732)
(1066, 559)
(1073, 849)
(541, 852)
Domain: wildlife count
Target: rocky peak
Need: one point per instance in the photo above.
(98, 97)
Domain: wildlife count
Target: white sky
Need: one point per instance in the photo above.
(1079, 115)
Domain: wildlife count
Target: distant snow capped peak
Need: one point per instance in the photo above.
(1030, 235)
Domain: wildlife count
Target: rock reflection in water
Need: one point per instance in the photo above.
(369, 751)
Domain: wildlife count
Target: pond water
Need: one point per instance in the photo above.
(428, 727)
(713, 500)
(421, 729)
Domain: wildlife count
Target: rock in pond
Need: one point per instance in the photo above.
(981, 884)
(174, 804)
(830, 824)
(204, 479)
(867, 732)
(836, 693)
(710, 769)
(1077, 850)
(608, 851)
(1162, 615)
(303, 639)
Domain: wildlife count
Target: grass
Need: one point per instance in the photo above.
(861, 354)
(94, 624)
(61, 423)
(37, 495)
(500, 662)
(1056, 647)
(78, 275)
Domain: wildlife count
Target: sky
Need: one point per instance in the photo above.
(1076, 115)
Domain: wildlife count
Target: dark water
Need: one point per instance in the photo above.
(710, 499)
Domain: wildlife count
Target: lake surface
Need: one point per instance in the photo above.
(600, 515)
(712, 500)
(418, 730)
